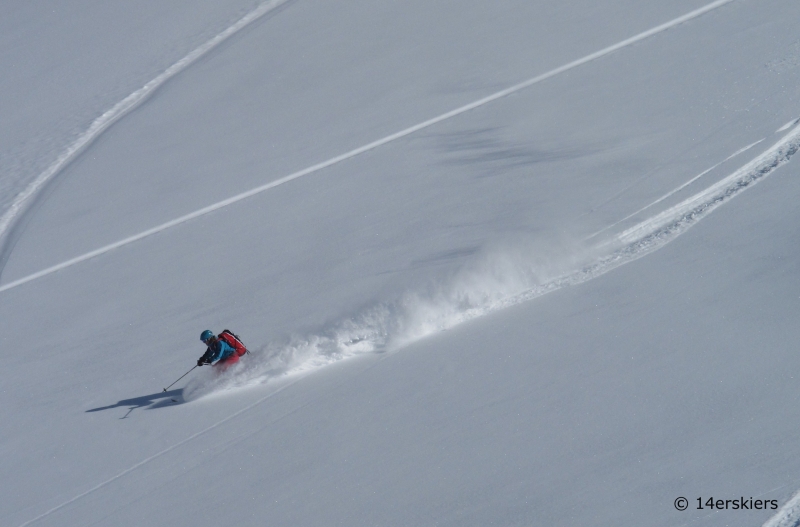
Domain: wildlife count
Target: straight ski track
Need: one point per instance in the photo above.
(126, 105)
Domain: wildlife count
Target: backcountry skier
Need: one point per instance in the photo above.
(225, 349)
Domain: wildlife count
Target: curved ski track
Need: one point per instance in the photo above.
(118, 111)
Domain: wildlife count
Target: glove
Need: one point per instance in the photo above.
(200, 362)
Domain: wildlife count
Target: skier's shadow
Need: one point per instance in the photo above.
(150, 402)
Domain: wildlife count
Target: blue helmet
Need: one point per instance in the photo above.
(205, 335)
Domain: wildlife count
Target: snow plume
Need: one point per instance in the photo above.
(500, 278)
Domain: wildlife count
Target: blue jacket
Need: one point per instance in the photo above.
(218, 350)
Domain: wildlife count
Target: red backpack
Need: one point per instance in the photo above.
(233, 341)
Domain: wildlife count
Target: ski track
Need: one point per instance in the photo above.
(675, 190)
(788, 515)
(742, 178)
(117, 112)
(136, 98)
(787, 125)
(388, 327)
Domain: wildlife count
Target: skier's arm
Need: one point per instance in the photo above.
(220, 350)
(207, 357)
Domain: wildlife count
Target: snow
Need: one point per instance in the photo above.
(486, 256)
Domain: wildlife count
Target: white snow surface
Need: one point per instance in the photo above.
(485, 254)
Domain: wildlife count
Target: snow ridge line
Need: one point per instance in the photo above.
(123, 107)
(90, 135)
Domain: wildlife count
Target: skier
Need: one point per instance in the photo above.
(225, 349)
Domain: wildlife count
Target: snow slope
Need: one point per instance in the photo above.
(600, 402)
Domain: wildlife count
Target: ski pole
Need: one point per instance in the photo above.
(179, 378)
